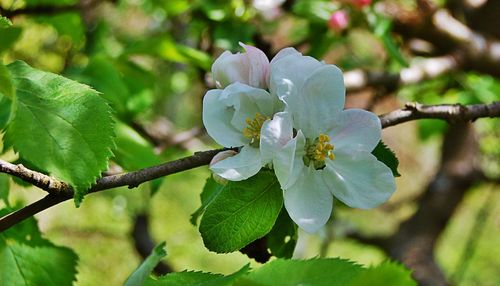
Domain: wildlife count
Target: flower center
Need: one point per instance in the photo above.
(252, 130)
(317, 151)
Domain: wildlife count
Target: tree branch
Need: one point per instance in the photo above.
(60, 191)
(451, 113)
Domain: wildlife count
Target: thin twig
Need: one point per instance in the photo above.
(413, 111)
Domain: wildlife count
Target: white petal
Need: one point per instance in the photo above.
(359, 180)
(308, 201)
(288, 162)
(285, 52)
(247, 101)
(217, 120)
(356, 130)
(274, 135)
(320, 101)
(289, 72)
(239, 167)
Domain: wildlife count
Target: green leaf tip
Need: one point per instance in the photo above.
(72, 124)
(139, 276)
(385, 155)
(5, 22)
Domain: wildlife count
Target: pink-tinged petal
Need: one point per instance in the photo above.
(251, 68)
(275, 134)
(288, 163)
(359, 180)
(259, 66)
(356, 130)
(247, 101)
(321, 101)
(308, 201)
(217, 118)
(239, 167)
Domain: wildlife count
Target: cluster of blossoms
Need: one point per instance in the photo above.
(288, 115)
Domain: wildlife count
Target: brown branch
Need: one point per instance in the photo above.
(40, 10)
(452, 113)
(132, 179)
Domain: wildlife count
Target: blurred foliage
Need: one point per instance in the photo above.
(150, 59)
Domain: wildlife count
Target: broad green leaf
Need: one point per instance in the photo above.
(210, 191)
(4, 188)
(386, 274)
(7, 96)
(281, 240)
(317, 272)
(72, 125)
(139, 276)
(28, 259)
(133, 152)
(195, 278)
(385, 155)
(243, 212)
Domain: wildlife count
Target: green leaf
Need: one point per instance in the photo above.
(210, 191)
(7, 96)
(133, 152)
(140, 274)
(72, 125)
(195, 278)
(382, 29)
(6, 85)
(317, 272)
(28, 259)
(243, 212)
(4, 188)
(386, 274)
(4, 22)
(9, 36)
(281, 240)
(385, 155)
(104, 76)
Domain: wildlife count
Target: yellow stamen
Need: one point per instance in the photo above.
(252, 130)
(318, 150)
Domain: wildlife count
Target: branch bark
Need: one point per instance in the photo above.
(60, 191)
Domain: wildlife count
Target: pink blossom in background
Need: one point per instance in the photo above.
(339, 21)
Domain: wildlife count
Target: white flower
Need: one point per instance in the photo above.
(330, 155)
(250, 68)
(233, 117)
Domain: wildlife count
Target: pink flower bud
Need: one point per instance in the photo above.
(251, 68)
(338, 21)
(361, 3)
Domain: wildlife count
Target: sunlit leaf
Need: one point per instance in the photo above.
(72, 125)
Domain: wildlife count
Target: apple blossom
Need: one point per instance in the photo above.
(250, 68)
(233, 117)
(318, 150)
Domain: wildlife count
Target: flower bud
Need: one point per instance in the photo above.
(339, 20)
(361, 3)
(249, 68)
(217, 158)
